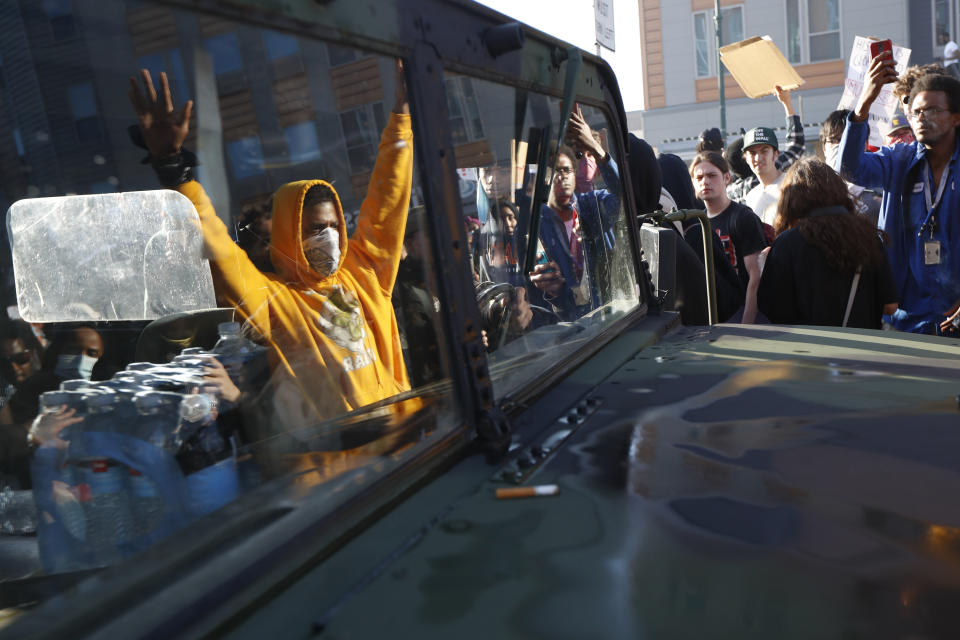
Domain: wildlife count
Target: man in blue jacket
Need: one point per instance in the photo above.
(920, 210)
(576, 228)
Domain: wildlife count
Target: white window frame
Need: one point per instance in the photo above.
(952, 26)
(805, 35)
(712, 37)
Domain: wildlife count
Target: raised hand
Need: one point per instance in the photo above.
(783, 96)
(882, 70)
(401, 102)
(580, 136)
(164, 129)
(46, 427)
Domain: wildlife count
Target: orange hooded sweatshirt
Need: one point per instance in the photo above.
(335, 341)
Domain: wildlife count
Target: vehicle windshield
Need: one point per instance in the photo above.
(581, 277)
(221, 275)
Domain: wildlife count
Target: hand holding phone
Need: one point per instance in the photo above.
(877, 47)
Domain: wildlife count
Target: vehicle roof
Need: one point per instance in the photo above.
(731, 481)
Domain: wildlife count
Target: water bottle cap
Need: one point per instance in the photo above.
(146, 400)
(50, 399)
(195, 406)
(104, 399)
(190, 362)
(76, 385)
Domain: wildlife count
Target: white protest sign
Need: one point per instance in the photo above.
(885, 105)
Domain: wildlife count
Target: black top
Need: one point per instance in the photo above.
(798, 287)
(741, 234)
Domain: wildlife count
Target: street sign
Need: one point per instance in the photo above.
(603, 11)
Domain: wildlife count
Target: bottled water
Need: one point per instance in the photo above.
(77, 385)
(204, 455)
(109, 522)
(146, 504)
(244, 360)
(192, 351)
(158, 417)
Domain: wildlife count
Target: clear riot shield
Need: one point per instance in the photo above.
(118, 256)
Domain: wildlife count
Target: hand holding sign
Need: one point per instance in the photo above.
(883, 105)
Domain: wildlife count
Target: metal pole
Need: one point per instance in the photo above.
(723, 99)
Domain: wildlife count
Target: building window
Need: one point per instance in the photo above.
(279, 45)
(361, 132)
(465, 122)
(83, 107)
(813, 30)
(60, 15)
(224, 50)
(246, 157)
(705, 42)
(340, 55)
(943, 25)
(172, 63)
(702, 43)
(302, 144)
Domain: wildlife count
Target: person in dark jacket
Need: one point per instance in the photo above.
(827, 265)
(690, 297)
(676, 180)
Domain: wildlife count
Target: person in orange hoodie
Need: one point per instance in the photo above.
(327, 311)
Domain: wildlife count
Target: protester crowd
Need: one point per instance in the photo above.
(863, 237)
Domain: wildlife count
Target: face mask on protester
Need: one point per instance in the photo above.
(830, 154)
(74, 366)
(586, 172)
(323, 251)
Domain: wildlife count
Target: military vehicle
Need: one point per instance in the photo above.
(545, 468)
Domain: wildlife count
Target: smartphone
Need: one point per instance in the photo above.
(879, 46)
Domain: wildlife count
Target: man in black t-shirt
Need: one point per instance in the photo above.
(739, 228)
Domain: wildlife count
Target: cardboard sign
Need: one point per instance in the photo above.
(758, 66)
(885, 105)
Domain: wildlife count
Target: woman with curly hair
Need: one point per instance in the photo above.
(827, 265)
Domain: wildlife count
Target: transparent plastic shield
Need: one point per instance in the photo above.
(117, 256)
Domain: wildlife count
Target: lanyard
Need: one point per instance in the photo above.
(932, 203)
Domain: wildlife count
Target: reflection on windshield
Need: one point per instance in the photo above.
(581, 277)
(237, 289)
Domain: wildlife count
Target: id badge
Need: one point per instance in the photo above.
(931, 252)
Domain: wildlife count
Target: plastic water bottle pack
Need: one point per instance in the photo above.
(143, 455)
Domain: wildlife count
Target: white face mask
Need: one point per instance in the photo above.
(74, 366)
(323, 251)
(830, 154)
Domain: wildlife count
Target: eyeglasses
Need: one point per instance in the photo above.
(20, 357)
(563, 172)
(929, 112)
